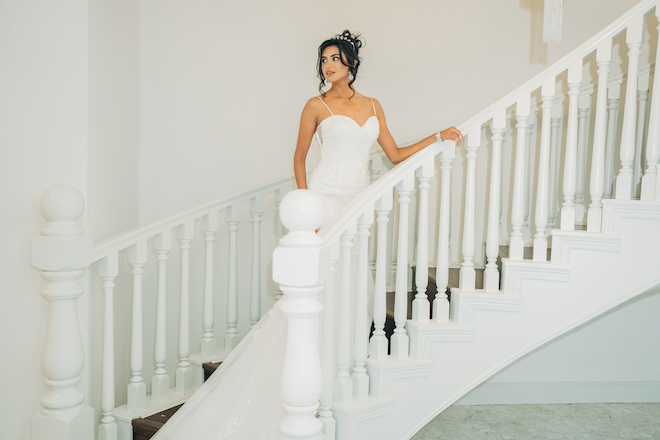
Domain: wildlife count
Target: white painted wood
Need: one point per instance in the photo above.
(399, 341)
(394, 244)
(184, 372)
(257, 206)
(613, 95)
(634, 39)
(649, 181)
(467, 274)
(516, 241)
(279, 228)
(421, 307)
(209, 344)
(441, 302)
(160, 381)
(567, 221)
(137, 389)
(343, 387)
(584, 102)
(529, 169)
(108, 269)
(362, 324)
(540, 251)
(378, 345)
(301, 379)
(375, 167)
(642, 100)
(553, 177)
(491, 272)
(597, 178)
(328, 347)
(232, 217)
(62, 253)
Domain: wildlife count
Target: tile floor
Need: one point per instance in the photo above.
(584, 421)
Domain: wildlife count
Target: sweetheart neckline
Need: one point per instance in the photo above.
(348, 117)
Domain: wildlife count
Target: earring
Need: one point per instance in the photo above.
(350, 76)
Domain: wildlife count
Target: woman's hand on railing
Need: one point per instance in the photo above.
(451, 134)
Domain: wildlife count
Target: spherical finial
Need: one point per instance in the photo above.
(301, 212)
(62, 203)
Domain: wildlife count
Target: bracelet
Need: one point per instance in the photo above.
(438, 137)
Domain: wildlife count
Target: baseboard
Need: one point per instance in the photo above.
(513, 393)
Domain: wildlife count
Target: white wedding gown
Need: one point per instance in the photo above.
(241, 400)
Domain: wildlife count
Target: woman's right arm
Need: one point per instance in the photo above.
(305, 133)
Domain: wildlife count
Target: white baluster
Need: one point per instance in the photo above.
(491, 272)
(393, 247)
(378, 344)
(137, 390)
(570, 158)
(529, 169)
(650, 179)
(400, 341)
(467, 274)
(441, 302)
(597, 180)
(542, 190)
(343, 387)
(612, 123)
(362, 323)
(555, 154)
(256, 210)
(184, 372)
(300, 253)
(421, 307)
(325, 412)
(516, 241)
(208, 345)
(584, 102)
(160, 382)
(233, 217)
(643, 89)
(634, 39)
(279, 228)
(375, 166)
(108, 269)
(62, 253)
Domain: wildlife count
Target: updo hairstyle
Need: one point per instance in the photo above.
(349, 45)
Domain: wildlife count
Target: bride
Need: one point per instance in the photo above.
(241, 400)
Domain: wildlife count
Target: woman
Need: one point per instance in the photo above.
(346, 123)
(241, 400)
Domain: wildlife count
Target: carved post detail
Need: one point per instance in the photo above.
(650, 179)
(570, 159)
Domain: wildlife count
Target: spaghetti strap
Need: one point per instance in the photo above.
(374, 107)
(326, 105)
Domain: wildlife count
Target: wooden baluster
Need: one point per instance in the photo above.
(643, 89)
(542, 189)
(650, 180)
(208, 345)
(597, 180)
(362, 324)
(184, 372)
(555, 154)
(343, 387)
(441, 302)
(614, 93)
(62, 253)
(279, 228)
(328, 366)
(232, 217)
(375, 166)
(137, 390)
(421, 307)
(584, 102)
(301, 379)
(256, 210)
(108, 269)
(491, 272)
(394, 242)
(504, 233)
(516, 241)
(160, 381)
(529, 169)
(467, 275)
(634, 39)
(378, 344)
(400, 341)
(570, 158)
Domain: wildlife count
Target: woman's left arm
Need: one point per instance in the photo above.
(396, 154)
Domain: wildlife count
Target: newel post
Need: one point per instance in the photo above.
(62, 253)
(300, 266)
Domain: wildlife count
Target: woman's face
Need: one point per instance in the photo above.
(331, 66)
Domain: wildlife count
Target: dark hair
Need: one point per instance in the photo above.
(348, 45)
